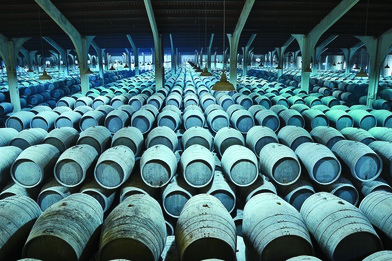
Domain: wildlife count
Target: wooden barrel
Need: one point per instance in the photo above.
(7, 135)
(381, 104)
(170, 119)
(120, 100)
(293, 136)
(131, 137)
(205, 222)
(217, 119)
(206, 100)
(300, 107)
(242, 120)
(175, 195)
(114, 166)
(342, 188)
(104, 196)
(14, 189)
(197, 135)
(384, 150)
(29, 137)
(135, 185)
(68, 119)
(227, 137)
(20, 120)
(258, 136)
(245, 101)
(339, 119)
(304, 258)
(18, 214)
(330, 101)
(280, 163)
(261, 185)
(156, 100)
(98, 136)
(162, 135)
(321, 164)
(134, 230)
(91, 119)
(83, 101)
(327, 136)
(137, 101)
(376, 207)
(66, 101)
(268, 119)
(143, 120)
(384, 255)
(363, 162)
(6, 107)
(297, 193)
(8, 155)
(62, 138)
(278, 232)
(358, 134)
(368, 187)
(73, 165)
(263, 100)
(52, 192)
(100, 100)
(383, 118)
(240, 165)
(381, 133)
(128, 109)
(225, 101)
(341, 230)
(174, 99)
(291, 117)
(158, 165)
(222, 190)
(363, 119)
(193, 118)
(314, 118)
(296, 100)
(83, 109)
(115, 120)
(34, 165)
(198, 165)
(40, 108)
(68, 225)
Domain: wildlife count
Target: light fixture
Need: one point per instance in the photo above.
(89, 71)
(198, 69)
(44, 76)
(223, 84)
(126, 66)
(29, 70)
(361, 72)
(334, 64)
(279, 67)
(387, 66)
(112, 68)
(206, 72)
(356, 67)
(308, 70)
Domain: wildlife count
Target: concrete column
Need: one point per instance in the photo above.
(9, 50)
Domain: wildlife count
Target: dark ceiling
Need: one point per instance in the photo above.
(191, 23)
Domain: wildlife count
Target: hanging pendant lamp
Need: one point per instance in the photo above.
(198, 69)
(223, 85)
(126, 66)
(112, 68)
(361, 73)
(387, 66)
(89, 71)
(356, 67)
(206, 72)
(45, 76)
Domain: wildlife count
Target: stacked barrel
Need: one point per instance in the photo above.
(127, 172)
